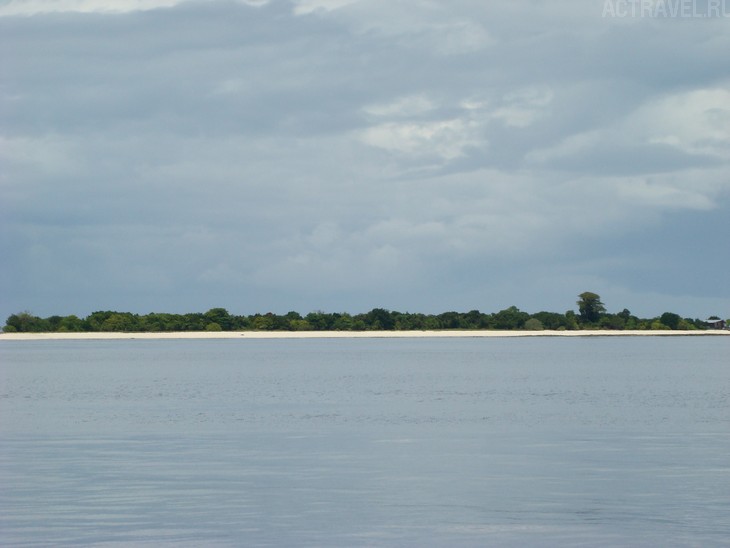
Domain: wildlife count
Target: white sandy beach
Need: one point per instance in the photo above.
(346, 334)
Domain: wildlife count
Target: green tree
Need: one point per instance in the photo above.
(657, 325)
(96, 320)
(343, 323)
(219, 316)
(120, 322)
(475, 320)
(431, 323)
(510, 318)
(670, 319)
(280, 323)
(571, 321)
(25, 322)
(71, 323)
(533, 324)
(450, 320)
(262, 322)
(167, 322)
(590, 307)
(551, 320)
(320, 321)
(299, 325)
(379, 319)
(193, 322)
(612, 321)
(686, 324)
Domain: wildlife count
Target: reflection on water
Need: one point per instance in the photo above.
(546, 442)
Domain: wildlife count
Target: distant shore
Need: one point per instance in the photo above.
(349, 334)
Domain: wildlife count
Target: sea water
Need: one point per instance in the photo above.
(366, 442)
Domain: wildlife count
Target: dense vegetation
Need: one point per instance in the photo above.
(591, 315)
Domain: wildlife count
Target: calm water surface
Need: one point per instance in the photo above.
(376, 442)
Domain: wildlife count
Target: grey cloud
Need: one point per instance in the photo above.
(627, 159)
(408, 155)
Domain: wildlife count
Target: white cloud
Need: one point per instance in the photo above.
(420, 24)
(232, 86)
(445, 139)
(696, 122)
(48, 154)
(411, 126)
(325, 234)
(305, 7)
(571, 146)
(524, 106)
(412, 105)
(663, 195)
(660, 142)
(36, 7)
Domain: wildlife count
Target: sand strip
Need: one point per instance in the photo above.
(346, 334)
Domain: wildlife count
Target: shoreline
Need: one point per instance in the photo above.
(346, 334)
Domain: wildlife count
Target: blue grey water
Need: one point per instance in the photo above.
(375, 442)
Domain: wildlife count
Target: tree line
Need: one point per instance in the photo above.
(591, 314)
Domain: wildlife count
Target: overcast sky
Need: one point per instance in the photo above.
(341, 155)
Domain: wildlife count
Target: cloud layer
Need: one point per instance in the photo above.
(347, 154)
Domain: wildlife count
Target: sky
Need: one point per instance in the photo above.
(343, 155)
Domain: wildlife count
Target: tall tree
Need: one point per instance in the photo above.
(590, 307)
